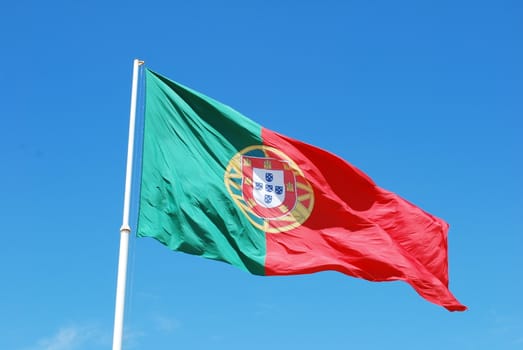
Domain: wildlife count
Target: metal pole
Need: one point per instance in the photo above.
(125, 230)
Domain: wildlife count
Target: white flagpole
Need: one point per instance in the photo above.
(125, 230)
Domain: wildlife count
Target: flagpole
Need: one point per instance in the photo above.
(125, 230)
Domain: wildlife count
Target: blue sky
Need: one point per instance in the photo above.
(424, 96)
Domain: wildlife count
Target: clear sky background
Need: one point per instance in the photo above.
(424, 96)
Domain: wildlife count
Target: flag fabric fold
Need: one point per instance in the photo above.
(216, 184)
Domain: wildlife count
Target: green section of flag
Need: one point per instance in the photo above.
(189, 140)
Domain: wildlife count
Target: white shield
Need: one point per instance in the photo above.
(268, 187)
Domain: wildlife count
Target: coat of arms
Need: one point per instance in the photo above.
(269, 188)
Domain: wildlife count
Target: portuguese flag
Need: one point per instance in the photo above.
(216, 184)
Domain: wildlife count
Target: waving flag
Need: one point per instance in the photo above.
(216, 184)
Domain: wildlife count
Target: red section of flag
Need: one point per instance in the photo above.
(359, 229)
